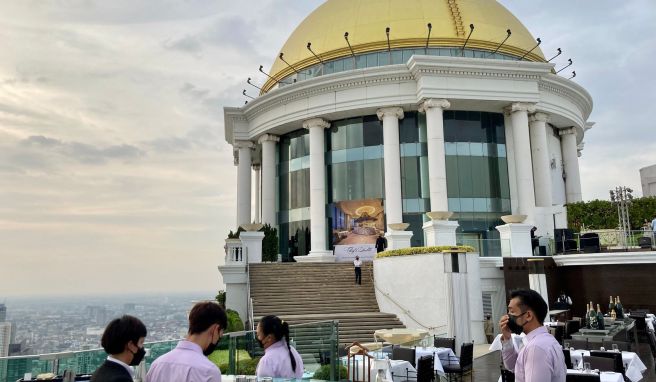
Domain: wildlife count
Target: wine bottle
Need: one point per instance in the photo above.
(592, 317)
(587, 319)
(619, 308)
(611, 306)
(600, 318)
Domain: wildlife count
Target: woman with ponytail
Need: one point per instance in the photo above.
(280, 359)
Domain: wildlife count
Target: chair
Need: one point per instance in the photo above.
(618, 364)
(590, 243)
(404, 354)
(579, 344)
(651, 337)
(558, 332)
(568, 359)
(582, 378)
(571, 326)
(621, 345)
(465, 366)
(600, 363)
(425, 369)
(445, 342)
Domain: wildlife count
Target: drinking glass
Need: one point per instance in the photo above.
(586, 367)
(615, 348)
(602, 348)
(566, 344)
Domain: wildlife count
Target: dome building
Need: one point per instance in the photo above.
(376, 113)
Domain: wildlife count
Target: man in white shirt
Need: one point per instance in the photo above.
(357, 263)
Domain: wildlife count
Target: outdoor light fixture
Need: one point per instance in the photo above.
(508, 33)
(532, 49)
(558, 54)
(309, 47)
(570, 63)
(471, 30)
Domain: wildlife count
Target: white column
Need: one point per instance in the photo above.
(510, 159)
(392, 161)
(523, 164)
(434, 109)
(244, 182)
(571, 161)
(319, 248)
(540, 157)
(515, 240)
(256, 186)
(440, 232)
(268, 143)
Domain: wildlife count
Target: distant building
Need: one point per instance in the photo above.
(648, 180)
(5, 338)
(3, 313)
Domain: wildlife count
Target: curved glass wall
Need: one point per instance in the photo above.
(394, 57)
(477, 180)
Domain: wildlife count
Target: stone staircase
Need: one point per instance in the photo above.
(309, 292)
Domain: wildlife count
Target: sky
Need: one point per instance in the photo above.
(114, 173)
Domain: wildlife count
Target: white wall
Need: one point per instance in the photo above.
(648, 180)
(557, 182)
(417, 284)
(492, 282)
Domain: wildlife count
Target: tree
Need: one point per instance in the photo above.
(270, 244)
(221, 298)
(602, 214)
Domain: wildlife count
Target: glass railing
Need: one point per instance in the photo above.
(485, 247)
(237, 354)
(607, 240)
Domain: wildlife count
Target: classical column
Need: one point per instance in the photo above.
(436, 154)
(510, 160)
(571, 161)
(392, 162)
(540, 157)
(318, 246)
(268, 143)
(244, 182)
(523, 164)
(256, 176)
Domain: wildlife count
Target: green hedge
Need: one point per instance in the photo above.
(323, 373)
(423, 250)
(602, 214)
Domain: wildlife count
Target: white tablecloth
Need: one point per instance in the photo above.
(441, 357)
(517, 342)
(633, 365)
(650, 321)
(397, 367)
(604, 376)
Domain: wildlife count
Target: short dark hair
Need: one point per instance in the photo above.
(532, 300)
(120, 331)
(205, 314)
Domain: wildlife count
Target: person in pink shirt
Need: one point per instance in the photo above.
(280, 359)
(188, 361)
(541, 358)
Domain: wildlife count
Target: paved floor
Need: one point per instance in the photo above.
(486, 367)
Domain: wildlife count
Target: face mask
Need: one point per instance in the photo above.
(138, 357)
(513, 325)
(211, 347)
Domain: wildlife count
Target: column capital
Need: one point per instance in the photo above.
(316, 122)
(520, 106)
(386, 111)
(539, 117)
(243, 145)
(434, 103)
(567, 131)
(268, 138)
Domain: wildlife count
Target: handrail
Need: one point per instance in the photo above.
(405, 311)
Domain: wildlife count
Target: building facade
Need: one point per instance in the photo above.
(356, 133)
(648, 180)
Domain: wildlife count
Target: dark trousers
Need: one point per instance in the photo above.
(358, 275)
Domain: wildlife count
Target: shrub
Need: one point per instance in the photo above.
(270, 244)
(221, 298)
(235, 235)
(423, 250)
(602, 214)
(235, 324)
(323, 373)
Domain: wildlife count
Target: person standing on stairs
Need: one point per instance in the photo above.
(280, 359)
(357, 263)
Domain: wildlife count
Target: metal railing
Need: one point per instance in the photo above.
(237, 353)
(613, 240)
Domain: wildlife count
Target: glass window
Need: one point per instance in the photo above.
(354, 133)
(339, 182)
(372, 60)
(374, 179)
(384, 58)
(338, 156)
(408, 129)
(373, 152)
(354, 154)
(397, 57)
(355, 184)
(372, 130)
(338, 136)
(410, 186)
(361, 62)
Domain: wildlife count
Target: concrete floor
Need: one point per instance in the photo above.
(486, 366)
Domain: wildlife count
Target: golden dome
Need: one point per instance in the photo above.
(366, 20)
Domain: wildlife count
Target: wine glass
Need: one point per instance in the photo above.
(586, 367)
(566, 344)
(615, 348)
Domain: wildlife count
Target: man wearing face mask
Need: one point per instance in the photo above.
(188, 361)
(541, 358)
(123, 340)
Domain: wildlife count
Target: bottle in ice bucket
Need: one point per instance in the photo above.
(600, 318)
(619, 308)
(592, 317)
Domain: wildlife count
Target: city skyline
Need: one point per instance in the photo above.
(112, 157)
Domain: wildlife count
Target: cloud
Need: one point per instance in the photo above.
(85, 153)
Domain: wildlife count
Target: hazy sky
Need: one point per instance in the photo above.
(114, 174)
